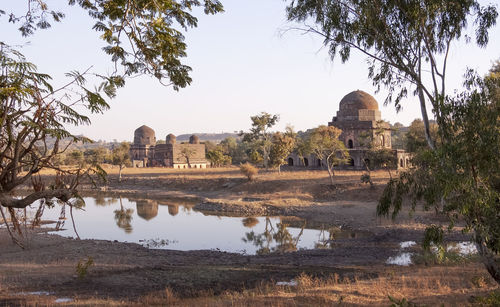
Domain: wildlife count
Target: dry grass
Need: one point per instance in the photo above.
(450, 286)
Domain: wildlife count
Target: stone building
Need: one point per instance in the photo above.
(360, 120)
(144, 152)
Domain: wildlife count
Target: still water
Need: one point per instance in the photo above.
(173, 224)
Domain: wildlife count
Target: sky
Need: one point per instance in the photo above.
(244, 63)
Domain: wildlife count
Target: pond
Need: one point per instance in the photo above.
(173, 224)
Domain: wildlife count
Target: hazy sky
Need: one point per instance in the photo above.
(243, 63)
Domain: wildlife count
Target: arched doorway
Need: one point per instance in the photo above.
(290, 161)
(306, 162)
(351, 162)
(319, 162)
(350, 144)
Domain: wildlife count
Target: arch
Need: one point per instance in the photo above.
(401, 163)
(407, 162)
(319, 162)
(290, 161)
(350, 144)
(351, 162)
(306, 162)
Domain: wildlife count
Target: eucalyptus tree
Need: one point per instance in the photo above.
(462, 178)
(407, 42)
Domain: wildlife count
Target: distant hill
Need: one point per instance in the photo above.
(212, 137)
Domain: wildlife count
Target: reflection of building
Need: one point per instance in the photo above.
(145, 152)
(173, 210)
(360, 121)
(147, 209)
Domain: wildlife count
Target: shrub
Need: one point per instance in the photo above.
(248, 170)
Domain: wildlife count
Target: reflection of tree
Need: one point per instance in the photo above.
(123, 218)
(101, 200)
(325, 241)
(281, 237)
(249, 222)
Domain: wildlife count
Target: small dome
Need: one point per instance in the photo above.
(144, 136)
(357, 100)
(194, 139)
(171, 139)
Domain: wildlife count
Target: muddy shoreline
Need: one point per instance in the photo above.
(128, 272)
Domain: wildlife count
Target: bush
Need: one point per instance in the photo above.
(248, 170)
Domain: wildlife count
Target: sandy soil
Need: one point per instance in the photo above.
(126, 273)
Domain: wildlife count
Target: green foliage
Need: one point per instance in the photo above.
(415, 137)
(121, 155)
(400, 303)
(324, 143)
(407, 42)
(217, 157)
(142, 37)
(282, 146)
(83, 266)
(493, 299)
(458, 178)
(259, 136)
(248, 170)
(433, 236)
(398, 136)
(366, 178)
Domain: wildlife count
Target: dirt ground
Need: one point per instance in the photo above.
(353, 272)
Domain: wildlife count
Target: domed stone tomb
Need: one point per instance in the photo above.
(358, 106)
(144, 136)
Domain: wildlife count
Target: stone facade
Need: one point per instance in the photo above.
(144, 152)
(361, 122)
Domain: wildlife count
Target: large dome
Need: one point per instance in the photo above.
(144, 136)
(357, 100)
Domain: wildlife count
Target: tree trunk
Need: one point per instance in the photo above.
(120, 174)
(331, 172)
(425, 119)
(488, 258)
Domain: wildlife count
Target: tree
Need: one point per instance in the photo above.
(32, 114)
(398, 133)
(186, 153)
(96, 155)
(141, 38)
(407, 42)
(282, 146)
(259, 134)
(461, 178)
(415, 137)
(120, 156)
(217, 157)
(325, 144)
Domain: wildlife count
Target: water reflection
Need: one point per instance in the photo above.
(173, 210)
(250, 222)
(147, 209)
(273, 240)
(173, 224)
(123, 217)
